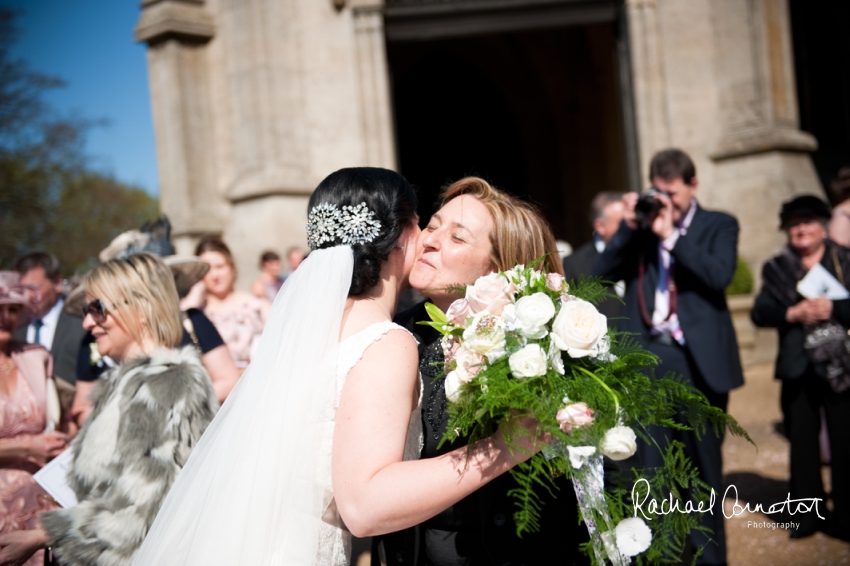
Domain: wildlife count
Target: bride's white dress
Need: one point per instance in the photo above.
(335, 540)
(257, 489)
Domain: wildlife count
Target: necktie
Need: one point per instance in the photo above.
(37, 324)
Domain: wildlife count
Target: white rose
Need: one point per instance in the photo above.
(578, 328)
(619, 443)
(486, 336)
(633, 536)
(532, 313)
(490, 293)
(452, 385)
(530, 361)
(580, 455)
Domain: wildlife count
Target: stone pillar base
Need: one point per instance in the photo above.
(753, 188)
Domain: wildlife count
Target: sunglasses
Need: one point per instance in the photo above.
(97, 310)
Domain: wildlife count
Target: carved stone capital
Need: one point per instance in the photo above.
(162, 19)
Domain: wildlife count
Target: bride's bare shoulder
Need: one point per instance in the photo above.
(395, 347)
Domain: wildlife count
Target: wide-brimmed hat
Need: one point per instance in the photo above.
(13, 293)
(803, 205)
(153, 238)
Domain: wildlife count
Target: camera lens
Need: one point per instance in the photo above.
(647, 207)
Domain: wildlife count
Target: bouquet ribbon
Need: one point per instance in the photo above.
(589, 484)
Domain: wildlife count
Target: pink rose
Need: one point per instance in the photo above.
(468, 363)
(554, 281)
(575, 416)
(490, 293)
(459, 311)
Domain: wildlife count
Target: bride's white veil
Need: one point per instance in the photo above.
(251, 491)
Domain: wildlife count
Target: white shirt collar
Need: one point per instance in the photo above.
(599, 243)
(48, 325)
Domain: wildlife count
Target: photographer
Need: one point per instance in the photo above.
(677, 259)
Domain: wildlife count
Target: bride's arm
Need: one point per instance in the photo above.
(375, 491)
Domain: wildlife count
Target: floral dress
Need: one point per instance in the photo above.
(240, 325)
(22, 500)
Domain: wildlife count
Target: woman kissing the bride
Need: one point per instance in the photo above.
(321, 436)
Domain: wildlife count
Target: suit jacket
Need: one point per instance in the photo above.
(705, 260)
(581, 263)
(66, 345)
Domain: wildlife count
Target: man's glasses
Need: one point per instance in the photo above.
(97, 310)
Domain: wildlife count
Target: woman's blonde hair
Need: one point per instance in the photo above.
(520, 233)
(140, 292)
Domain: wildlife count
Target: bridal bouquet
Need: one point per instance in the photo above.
(522, 343)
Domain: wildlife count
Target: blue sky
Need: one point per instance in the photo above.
(89, 44)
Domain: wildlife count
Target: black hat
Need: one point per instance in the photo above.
(803, 205)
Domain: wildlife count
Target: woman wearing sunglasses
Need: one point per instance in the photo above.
(148, 413)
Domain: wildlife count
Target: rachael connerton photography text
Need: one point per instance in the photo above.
(649, 505)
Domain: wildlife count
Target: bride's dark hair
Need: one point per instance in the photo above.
(389, 196)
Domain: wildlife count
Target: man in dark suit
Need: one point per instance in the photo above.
(51, 326)
(606, 212)
(676, 264)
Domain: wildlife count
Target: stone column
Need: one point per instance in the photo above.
(761, 157)
(177, 33)
(758, 103)
(301, 89)
(373, 79)
(648, 79)
(716, 79)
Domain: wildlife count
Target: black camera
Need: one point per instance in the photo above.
(647, 206)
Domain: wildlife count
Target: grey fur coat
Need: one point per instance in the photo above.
(147, 416)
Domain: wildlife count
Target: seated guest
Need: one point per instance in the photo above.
(58, 331)
(269, 282)
(148, 413)
(238, 316)
(25, 443)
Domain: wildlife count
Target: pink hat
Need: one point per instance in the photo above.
(12, 292)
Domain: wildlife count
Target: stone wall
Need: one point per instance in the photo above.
(716, 78)
(255, 101)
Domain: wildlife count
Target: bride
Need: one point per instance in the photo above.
(320, 437)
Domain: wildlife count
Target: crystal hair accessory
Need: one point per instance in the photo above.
(352, 225)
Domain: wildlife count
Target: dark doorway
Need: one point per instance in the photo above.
(822, 66)
(537, 113)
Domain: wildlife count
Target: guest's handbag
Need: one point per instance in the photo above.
(829, 343)
(53, 413)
